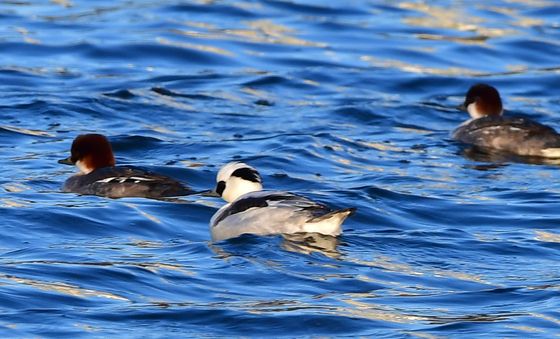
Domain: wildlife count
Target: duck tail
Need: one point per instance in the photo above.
(340, 214)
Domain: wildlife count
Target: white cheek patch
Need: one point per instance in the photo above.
(82, 167)
(473, 111)
(236, 187)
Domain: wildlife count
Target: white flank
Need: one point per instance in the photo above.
(551, 152)
(121, 180)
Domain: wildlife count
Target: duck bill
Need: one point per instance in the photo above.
(462, 107)
(66, 161)
(210, 193)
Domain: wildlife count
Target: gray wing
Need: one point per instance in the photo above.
(274, 199)
(518, 135)
(265, 212)
(125, 181)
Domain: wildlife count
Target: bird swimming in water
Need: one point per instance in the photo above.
(250, 210)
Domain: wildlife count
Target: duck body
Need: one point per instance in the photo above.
(275, 212)
(515, 135)
(489, 129)
(250, 210)
(98, 175)
(124, 181)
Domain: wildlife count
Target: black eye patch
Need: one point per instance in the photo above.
(220, 187)
(247, 174)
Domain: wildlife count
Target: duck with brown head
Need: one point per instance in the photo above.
(93, 155)
(489, 129)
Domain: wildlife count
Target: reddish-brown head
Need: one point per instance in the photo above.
(91, 151)
(483, 100)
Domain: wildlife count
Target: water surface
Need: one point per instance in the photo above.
(347, 102)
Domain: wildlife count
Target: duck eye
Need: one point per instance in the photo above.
(220, 187)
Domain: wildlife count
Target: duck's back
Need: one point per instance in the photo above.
(272, 212)
(516, 135)
(125, 181)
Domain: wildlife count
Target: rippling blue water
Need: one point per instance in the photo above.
(347, 102)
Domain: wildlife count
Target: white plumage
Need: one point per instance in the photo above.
(251, 210)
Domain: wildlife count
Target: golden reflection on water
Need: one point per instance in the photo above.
(258, 31)
(372, 311)
(533, 3)
(353, 309)
(525, 328)
(25, 33)
(198, 47)
(87, 327)
(266, 31)
(458, 18)
(63, 3)
(436, 16)
(258, 93)
(515, 18)
(154, 267)
(33, 132)
(459, 276)
(225, 95)
(200, 24)
(167, 100)
(62, 288)
(380, 146)
(413, 130)
(415, 68)
(160, 129)
(425, 335)
(547, 236)
(453, 18)
(307, 103)
(15, 187)
(192, 163)
(143, 213)
(356, 308)
(12, 203)
(388, 264)
(546, 318)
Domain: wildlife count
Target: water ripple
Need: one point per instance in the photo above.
(350, 104)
